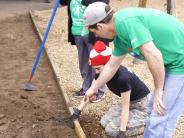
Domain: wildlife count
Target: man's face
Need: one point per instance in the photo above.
(103, 31)
(98, 69)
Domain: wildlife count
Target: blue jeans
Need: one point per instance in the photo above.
(84, 48)
(173, 98)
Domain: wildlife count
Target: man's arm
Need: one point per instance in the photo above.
(108, 72)
(155, 63)
(125, 101)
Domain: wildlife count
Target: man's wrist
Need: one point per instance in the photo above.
(158, 88)
(158, 91)
(94, 89)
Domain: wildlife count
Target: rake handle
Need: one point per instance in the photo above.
(44, 39)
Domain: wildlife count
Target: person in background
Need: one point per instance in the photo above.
(75, 27)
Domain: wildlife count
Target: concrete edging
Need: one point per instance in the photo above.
(78, 129)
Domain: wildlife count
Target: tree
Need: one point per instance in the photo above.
(171, 7)
(142, 3)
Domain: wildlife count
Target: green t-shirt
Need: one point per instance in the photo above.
(77, 11)
(137, 26)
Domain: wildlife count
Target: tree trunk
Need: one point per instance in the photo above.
(142, 3)
(171, 7)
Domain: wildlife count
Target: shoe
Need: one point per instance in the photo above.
(80, 93)
(99, 96)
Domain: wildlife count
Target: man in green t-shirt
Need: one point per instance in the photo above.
(150, 35)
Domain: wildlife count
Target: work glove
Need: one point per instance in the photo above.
(74, 116)
(121, 134)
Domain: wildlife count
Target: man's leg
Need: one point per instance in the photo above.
(83, 55)
(173, 97)
(149, 110)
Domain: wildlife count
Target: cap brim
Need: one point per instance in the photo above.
(84, 30)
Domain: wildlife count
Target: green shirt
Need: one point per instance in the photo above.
(77, 11)
(137, 26)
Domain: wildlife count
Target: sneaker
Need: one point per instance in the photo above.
(80, 93)
(99, 96)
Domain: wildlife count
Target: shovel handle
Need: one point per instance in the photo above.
(82, 104)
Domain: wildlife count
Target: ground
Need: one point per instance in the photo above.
(42, 113)
(38, 114)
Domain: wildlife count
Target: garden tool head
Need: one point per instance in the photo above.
(29, 87)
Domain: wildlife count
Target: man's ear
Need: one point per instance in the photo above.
(100, 26)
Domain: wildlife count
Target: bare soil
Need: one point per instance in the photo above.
(37, 114)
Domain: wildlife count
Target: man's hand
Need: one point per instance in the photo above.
(90, 95)
(158, 102)
(121, 134)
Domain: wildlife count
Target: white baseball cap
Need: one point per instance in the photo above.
(93, 14)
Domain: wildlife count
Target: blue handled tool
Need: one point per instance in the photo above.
(28, 86)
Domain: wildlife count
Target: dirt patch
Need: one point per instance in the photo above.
(38, 114)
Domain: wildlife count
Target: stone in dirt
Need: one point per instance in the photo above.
(137, 117)
(23, 96)
(2, 116)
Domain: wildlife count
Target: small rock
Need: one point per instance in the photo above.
(20, 127)
(2, 116)
(19, 116)
(13, 120)
(36, 106)
(34, 125)
(23, 96)
(41, 96)
(2, 123)
(40, 118)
